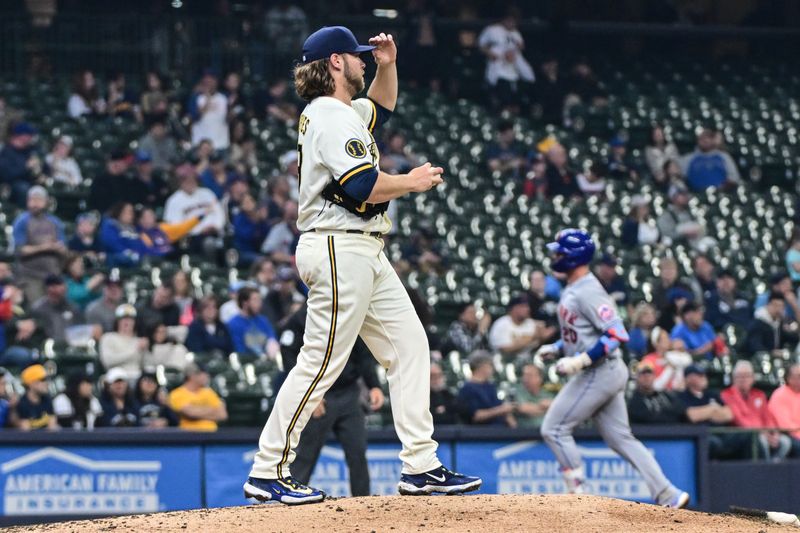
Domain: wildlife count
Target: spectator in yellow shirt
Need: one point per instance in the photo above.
(197, 405)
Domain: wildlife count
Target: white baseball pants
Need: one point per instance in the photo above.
(353, 290)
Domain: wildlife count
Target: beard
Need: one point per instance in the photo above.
(354, 80)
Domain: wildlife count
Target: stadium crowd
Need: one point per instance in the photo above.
(188, 186)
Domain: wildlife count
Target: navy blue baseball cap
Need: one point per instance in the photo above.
(143, 156)
(331, 40)
(25, 128)
(694, 369)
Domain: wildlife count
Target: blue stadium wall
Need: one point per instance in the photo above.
(82, 474)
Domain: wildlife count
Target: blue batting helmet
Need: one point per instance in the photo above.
(574, 247)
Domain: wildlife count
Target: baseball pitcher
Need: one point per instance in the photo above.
(353, 289)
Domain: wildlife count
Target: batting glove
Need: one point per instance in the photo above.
(567, 366)
(547, 351)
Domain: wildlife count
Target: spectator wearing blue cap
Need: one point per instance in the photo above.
(38, 244)
(620, 164)
(21, 165)
(147, 187)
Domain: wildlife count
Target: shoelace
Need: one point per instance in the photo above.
(296, 485)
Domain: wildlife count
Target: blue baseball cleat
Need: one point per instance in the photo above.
(286, 490)
(439, 480)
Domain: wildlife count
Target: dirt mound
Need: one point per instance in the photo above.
(477, 514)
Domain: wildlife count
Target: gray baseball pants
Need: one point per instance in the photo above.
(599, 393)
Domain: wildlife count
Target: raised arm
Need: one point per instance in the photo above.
(383, 90)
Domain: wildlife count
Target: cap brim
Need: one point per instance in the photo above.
(361, 48)
(553, 246)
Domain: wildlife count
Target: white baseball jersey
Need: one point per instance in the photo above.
(335, 142)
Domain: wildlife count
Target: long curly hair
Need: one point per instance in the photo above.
(313, 80)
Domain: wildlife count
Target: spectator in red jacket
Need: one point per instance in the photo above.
(750, 410)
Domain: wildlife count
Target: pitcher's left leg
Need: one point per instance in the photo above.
(394, 334)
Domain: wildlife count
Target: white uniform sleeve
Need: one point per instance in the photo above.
(343, 149)
(367, 111)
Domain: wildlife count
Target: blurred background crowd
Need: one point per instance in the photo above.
(148, 273)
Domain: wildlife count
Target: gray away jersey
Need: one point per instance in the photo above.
(584, 313)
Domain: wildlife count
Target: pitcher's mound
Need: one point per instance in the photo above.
(465, 514)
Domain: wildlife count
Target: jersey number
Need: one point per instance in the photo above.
(299, 163)
(569, 335)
